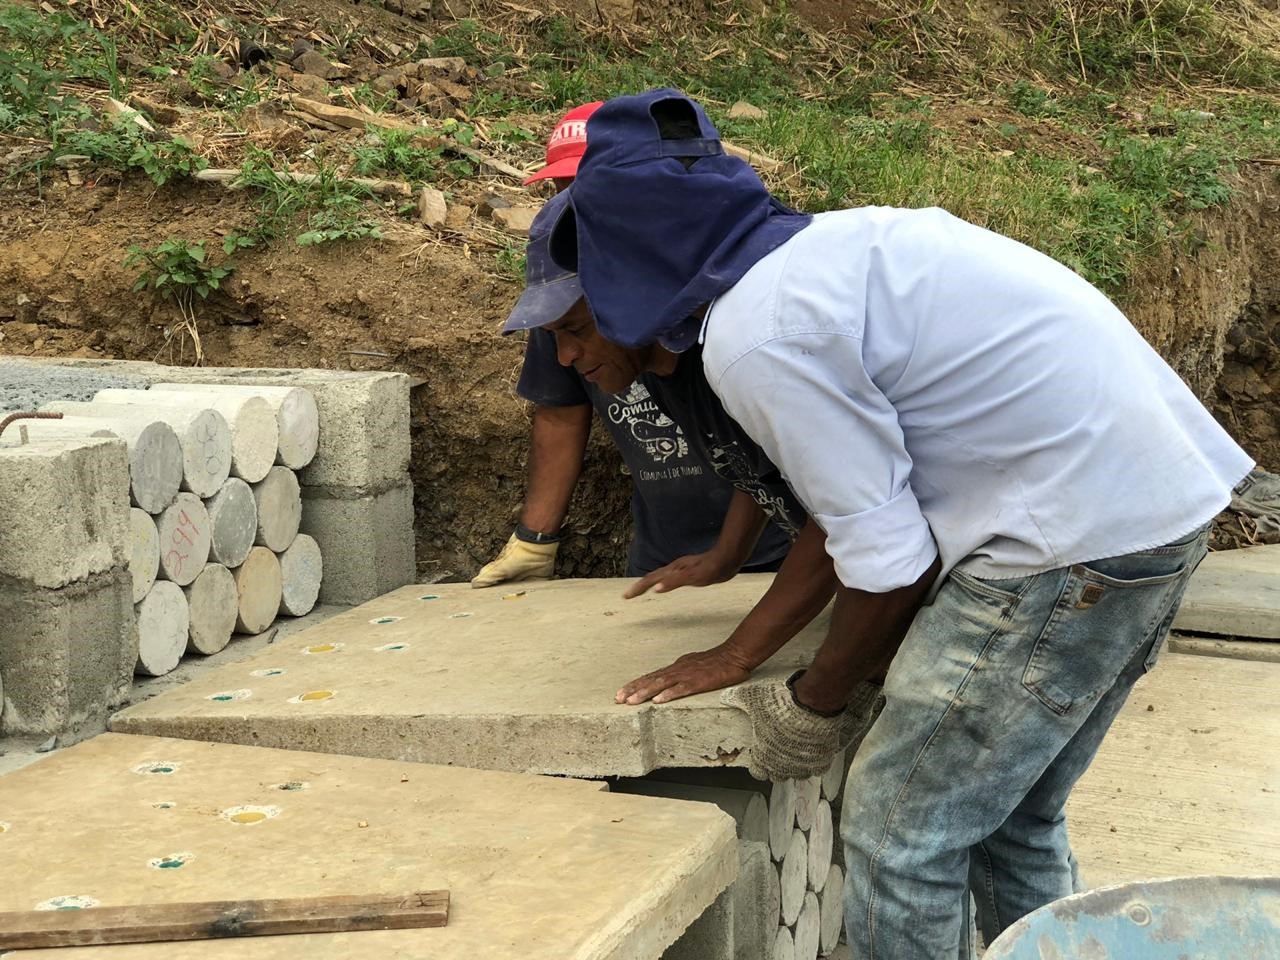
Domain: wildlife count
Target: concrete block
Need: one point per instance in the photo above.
(755, 919)
(67, 655)
(64, 505)
(538, 868)
(710, 937)
(367, 542)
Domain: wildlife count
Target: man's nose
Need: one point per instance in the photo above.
(567, 350)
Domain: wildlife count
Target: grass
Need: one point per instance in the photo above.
(328, 209)
(1102, 197)
(1094, 130)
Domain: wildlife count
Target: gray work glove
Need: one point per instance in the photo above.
(790, 740)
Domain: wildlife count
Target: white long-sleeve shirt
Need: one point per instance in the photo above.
(928, 388)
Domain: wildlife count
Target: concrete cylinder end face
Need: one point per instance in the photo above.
(155, 467)
(162, 623)
(144, 552)
(255, 439)
(185, 537)
(233, 514)
(258, 590)
(279, 500)
(299, 424)
(213, 607)
(301, 570)
(206, 453)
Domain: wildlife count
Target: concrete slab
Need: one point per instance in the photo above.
(1188, 780)
(1234, 593)
(538, 868)
(511, 678)
(1264, 650)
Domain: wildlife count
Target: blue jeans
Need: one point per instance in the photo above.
(995, 705)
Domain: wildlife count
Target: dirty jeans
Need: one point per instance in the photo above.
(995, 705)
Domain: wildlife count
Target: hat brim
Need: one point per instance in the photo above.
(568, 167)
(544, 303)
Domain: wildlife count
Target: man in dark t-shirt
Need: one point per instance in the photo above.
(683, 485)
(678, 503)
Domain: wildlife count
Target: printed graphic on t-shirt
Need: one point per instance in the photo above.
(653, 431)
(730, 462)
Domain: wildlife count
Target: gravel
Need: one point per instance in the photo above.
(28, 386)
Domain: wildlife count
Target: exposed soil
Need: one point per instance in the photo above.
(430, 302)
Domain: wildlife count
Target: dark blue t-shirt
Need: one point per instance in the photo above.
(678, 502)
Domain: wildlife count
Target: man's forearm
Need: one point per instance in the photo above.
(557, 444)
(802, 588)
(744, 521)
(866, 631)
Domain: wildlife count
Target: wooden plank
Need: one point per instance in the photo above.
(214, 919)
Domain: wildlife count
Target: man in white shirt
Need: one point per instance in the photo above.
(1013, 486)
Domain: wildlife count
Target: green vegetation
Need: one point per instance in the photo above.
(399, 153)
(180, 271)
(1085, 162)
(1094, 130)
(329, 207)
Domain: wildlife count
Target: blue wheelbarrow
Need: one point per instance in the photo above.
(1189, 918)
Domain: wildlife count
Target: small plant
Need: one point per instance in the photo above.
(511, 261)
(179, 270)
(394, 152)
(1033, 101)
(332, 206)
(122, 145)
(504, 131)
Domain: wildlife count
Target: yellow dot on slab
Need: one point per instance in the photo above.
(249, 815)
(4, 827)
(311, 696)
(322, 648)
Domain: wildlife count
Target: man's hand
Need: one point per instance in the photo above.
(790, 740)
(693, 673)
(694, 570)
(519, 561)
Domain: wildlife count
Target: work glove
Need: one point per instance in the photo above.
(790, 740)
(519, 560)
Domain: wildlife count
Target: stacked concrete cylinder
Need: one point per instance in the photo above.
(789, 896)
(215, 549)
(804, 842)
(66, 642)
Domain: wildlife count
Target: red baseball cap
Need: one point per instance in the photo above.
(567, 144)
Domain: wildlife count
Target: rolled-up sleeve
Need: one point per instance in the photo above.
(808, 401)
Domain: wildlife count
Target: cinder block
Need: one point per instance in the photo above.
(64, 508)
(364, 422)
(710, 937)
(367, 542)
(67, 655)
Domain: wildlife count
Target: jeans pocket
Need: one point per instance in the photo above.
(991, 591)
(1097, 625)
